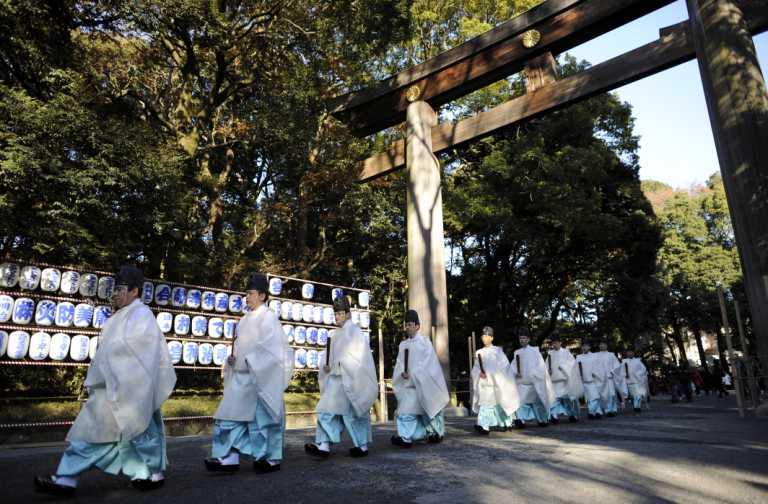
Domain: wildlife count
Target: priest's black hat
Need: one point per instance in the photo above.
(341, 304)
(523, 331)
(488, 330)
(130, 276)
(412, 316)
(257, 282)
(555, 336)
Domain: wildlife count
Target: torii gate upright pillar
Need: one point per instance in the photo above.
(427, 292)
(737, 102)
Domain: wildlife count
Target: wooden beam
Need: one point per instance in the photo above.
(562, 24)
(673, 48)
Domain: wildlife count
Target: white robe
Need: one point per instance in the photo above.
(351, 386)
(262, 369)
(425, 391)
(637, 382)
(499, 387)
(611, 365)
(129, 379)
(564, 374)
(592, 375)
(533, 381)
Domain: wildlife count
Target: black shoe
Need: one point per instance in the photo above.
(398, 441)
(543, 424)
(214, 465)
(263, 467)
(435, 439)
(482, 431)
(637, 410)
(146, 485)
(598, 416)
(313, 449)
(357, 452)
(554, 420)
(591, 416)
(610, 415)
(519, 424)
(46, 485)
(573, 419)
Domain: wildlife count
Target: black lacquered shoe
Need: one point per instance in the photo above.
(543, 424)
(482, 431)
(573, 419)
(611, 415)
(46, 485)
(357, 452)
(637, 410)
(598, 416)
(519, 424)
(214, 465)
(554, 420)
(591, 416)
(435, 439)
(315, 451)
(264, 467)
(145, 485)
(399, 441)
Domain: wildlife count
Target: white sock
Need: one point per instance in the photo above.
(273, 462)
(406, 439)
(232, 458)
(324, 446)
(158, 476)
(364, 447)
(67, 481)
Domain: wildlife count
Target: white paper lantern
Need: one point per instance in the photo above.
(164, 321)
(78, 347)
(147, 292)
(39, 346)
(70, 281)
(9, 274)
(29, 278)
(93, 345)
(215, 327)
(6, 308)
(175, 349)
(18, 344)
(179, 297)
(181, 324)
(45, 313)
(89, 285)
(205, 354)
(162, 294)
(65, 314)
(83, 315)
(24, 310)
(106, 287)
(190, 353)
(199, 326)
(220, 353)
(3, 342)
(59, 346)
(50, 280)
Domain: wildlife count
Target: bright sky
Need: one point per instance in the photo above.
(676, 145)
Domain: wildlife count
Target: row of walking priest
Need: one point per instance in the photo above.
(120, 429)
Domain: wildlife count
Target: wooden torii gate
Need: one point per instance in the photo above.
(718, 33)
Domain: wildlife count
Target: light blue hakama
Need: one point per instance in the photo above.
(533, 411)
(565, 406)
(611, 405)
(330, 426)
(595, 407)
(494, 416)
(260, 439)
(137, 458)
(637, 402)
(418, 427)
